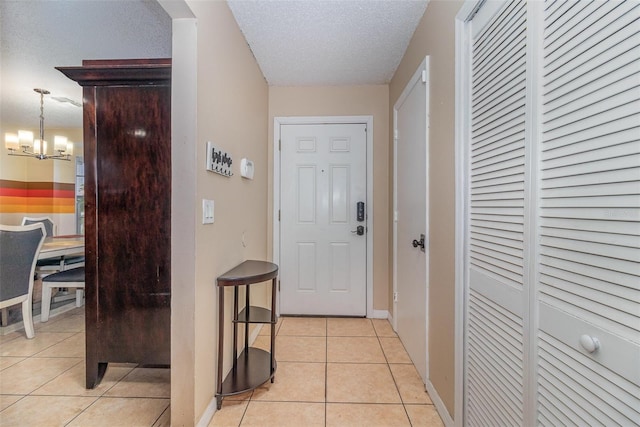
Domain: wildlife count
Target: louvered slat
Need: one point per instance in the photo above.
(495, 148)
(495, 362)
(604, 274)
(579, 379)
(561, 29)
(582, 155)
(591, 34)
(584, 71)
(619, 93)
(610, 73)
(596, 307)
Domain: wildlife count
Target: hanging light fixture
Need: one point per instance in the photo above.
(23, 144)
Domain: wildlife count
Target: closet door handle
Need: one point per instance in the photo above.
(589, 343)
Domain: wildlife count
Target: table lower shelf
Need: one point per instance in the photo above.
(251, 371)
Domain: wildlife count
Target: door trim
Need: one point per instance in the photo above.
(315, 120)
(417, 76)
(462, 134)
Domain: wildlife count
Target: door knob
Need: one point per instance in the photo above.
(359, 230)
(420, 243)
(590, 344)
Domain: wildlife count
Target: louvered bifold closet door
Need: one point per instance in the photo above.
(494, 325)
(589, 278)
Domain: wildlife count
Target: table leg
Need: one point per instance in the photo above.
(235, 327)
(220, 341)
(273, 325)
(246, 325)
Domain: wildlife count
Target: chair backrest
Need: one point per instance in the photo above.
(19, 248)
(49, 226)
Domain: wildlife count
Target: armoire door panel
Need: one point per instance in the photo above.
(134, 170)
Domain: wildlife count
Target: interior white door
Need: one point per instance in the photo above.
(322, 256)
(411, 237)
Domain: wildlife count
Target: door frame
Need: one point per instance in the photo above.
(316, 120)
(462, 134)
(421, 73)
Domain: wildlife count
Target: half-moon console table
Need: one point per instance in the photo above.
(254, 366)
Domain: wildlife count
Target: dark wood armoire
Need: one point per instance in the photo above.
(127, 157)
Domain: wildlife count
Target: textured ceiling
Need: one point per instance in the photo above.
(296, 42)
(335, 42)
(36, 36)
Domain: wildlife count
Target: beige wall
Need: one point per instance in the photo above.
(435, 37)
(232, 113)
(347, 101)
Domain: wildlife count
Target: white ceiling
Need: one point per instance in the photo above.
(296, 42)
(328, 42)
(36, 36)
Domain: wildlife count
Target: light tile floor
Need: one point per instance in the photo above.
(331, 372)
(334, 372)
(42, 382)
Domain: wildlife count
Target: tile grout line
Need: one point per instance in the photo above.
(94, 398)
(404, 407)
(387, 362)
(161, 414)
(82, 412)
(326, 368)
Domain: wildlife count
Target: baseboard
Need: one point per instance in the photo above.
(254, 335)
(4, 330)
(379, 314)
(211, 409)
(439, 405)
(208, 413)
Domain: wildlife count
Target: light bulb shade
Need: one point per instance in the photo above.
(25, 138)
(60, 143)
(69, 148)
(40, 148)
(11, 141)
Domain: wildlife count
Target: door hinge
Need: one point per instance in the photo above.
(395, 297)
(278, 214)
(424, 76)
(278, 285)
(395, 134)
(279, 145)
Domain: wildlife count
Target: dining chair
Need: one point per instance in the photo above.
(71, 278)
(49, 225)
(48, 266)
(19, 247)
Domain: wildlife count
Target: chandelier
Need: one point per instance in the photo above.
(23, 144)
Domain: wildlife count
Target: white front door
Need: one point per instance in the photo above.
(411, 238)
(322, 256)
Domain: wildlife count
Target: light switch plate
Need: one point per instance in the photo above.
(207, 211)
